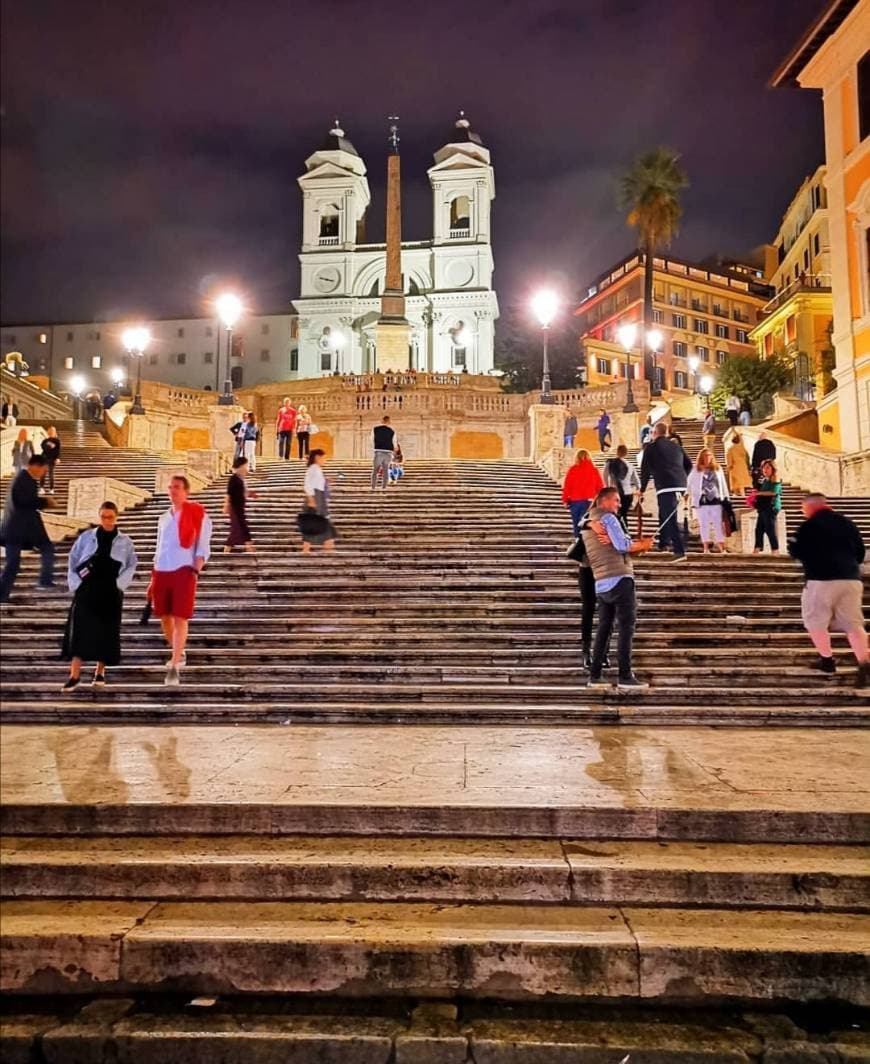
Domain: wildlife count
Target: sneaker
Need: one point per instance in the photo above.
(680, 558)
(46, 587)
(587, 659)
(598, 681)
(99, 679)
(631, 683)
(181, 663)
(825, 665)
(173, 677)
(863, 677)
(71, 684)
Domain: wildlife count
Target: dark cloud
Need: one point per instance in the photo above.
(149, 146)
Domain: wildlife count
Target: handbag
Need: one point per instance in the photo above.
(729, 518)
(313, 429)
(311, 523)
(752, 498)
(577, 551)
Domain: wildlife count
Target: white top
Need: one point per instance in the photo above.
(695, 482)
(732, 403)
(315, 479)
(169, 554)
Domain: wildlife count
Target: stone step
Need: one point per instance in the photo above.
(513, 952)
(334, 868)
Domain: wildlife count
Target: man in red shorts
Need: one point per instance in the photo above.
(183, 548)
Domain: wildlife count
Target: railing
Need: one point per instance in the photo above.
(328, 241)
(698, 305)
(160, 396)
(677, 301)
(809, 282)
(460, 234)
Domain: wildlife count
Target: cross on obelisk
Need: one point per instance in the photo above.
(393, 333)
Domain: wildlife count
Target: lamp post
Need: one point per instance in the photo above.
(229, 308)
(654, 343)
(627, 334)
(694, 363)
(135, 340)
(706, 383)
(545, 304)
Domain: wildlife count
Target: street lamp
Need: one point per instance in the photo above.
(694, 363)
(77, 385)
(545, 304)
(654, 343)
(229, 308)
(707, 382)
(135, 340)
(627, 334)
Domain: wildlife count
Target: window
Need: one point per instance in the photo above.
(180, 332)
(679, 349)
(676, 300)
(807, 259)
(701, 326)
(680, 379)
(209, 331)
(181, 358)
(329, 223)
(459, 357)
(69, 337)
(722, 332)
(679, 321)
(93, 335)
(69, 362)
(864, 96)
(43, 338)
(658, 317)
(264, 329)
(719, 310)
(96, 361)
(603, 366)
(325, 360)
(741, 336)
(208, 357)
(460, 212)
(152, 360)
(816, 244)
(294, 360)
(264, 355)
(703, 353)
(721, 356)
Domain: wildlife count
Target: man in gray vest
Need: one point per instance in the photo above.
(608, 548)
(384, 440)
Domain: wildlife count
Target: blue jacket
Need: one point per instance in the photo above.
(85, 547)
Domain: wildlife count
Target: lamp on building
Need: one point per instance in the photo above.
(229, 309)
(654, 343)
(694, 363)
(337, 339)
(545, 305)
(135, 340)
(627, 334)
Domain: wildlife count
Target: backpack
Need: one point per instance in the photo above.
(617, 469)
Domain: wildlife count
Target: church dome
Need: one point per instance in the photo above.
(337, 141)
(462, 132)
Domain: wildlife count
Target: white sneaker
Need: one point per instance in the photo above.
(172, 678)
(181, 663)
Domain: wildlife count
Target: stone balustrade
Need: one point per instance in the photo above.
(86, 494)
(164, 474)
(810, 466)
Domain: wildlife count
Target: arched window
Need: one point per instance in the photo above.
(413, 287)
(329, 221)
(460, 213)
(375, 289)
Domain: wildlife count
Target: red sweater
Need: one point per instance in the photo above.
(582, 481)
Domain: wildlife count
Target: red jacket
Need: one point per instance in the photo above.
(582, 481)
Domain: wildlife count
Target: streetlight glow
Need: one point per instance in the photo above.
(229, 308)
(136, 338)
(654, 340)
(627, 334)
(694, 362)
(78, 384)
(118, 377)
(707, 383)
(545, 306)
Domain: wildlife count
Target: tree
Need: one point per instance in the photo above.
(649, 194)
(518, 350)
(750, 377)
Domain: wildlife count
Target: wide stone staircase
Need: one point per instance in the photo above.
(383, 782)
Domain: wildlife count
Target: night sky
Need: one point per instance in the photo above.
(150, 148)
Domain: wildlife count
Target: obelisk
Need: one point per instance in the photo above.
(392, 332)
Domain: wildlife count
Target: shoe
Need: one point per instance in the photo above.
(181, 663)
(631, 683)
(598, 681)
(587, 659)
(172, 678)
(680, 558)
(46, 587)
(825, 665)
(99, 679)
(863, 677)
(71, 684)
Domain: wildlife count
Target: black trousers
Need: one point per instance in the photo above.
(285, 443)
(587, 603)
(302, 443)
(618, 604)
(766, 526)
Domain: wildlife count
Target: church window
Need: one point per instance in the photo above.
(294, 360)
(459, 357)
(69, 337)
(413, 288)
(329, 223)
(460, 214)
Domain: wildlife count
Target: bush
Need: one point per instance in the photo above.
(752, 378)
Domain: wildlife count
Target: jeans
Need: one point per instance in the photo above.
(48, 477)
(569, 440)
(578, 508)
(302, 443)
(285, 443)
(381, 462)
(13, 564)
(624, 505)
(669, 532)
(602, 440)
(587, 604)
(617, 604)
(766, 526)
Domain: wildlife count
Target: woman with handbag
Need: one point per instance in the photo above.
(768, 502)
(316, 490)
(102, 564)
(708, 491)
(303, 430)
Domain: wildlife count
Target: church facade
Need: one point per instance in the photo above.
(450, 303)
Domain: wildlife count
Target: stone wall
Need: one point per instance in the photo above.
(810, 466)
(86, 494)
(34, 403)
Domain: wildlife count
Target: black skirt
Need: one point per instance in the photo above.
(93, 625)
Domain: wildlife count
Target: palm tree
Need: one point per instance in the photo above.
(649, 193)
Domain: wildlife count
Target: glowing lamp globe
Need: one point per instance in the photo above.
(545, 305)
(627, 335)
(229, 308)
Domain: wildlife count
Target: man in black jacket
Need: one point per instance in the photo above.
(22, 527)
(665, 461)
(763, 451)
(830, 548)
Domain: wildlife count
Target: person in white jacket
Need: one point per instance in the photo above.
(707, 490)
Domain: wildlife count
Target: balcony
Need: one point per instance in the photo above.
(327, 242)
(810, 282)
(460, 234)
(699, 306)
(677, 301)
(737, 316)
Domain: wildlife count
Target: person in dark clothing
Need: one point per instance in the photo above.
(237, 496)
(51, 451)
(603, 428)
(9, 413)
(102, 564)
(22, 528)
(831, 550)
(608, 547)
(570, 430)
(384, 445)
(668, 465)
(763, 451)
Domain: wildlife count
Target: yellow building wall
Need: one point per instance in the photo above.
(849, 111)
(829, 427)
(323, 441)
(465, 444)
(190, 439)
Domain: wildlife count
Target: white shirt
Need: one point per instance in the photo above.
(169, 554)
(315, 479)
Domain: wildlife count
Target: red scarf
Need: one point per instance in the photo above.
(190, 523)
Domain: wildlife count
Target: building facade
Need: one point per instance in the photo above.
(450, 303)
(184, 352)
(700, 313)
(797, 321)
(833, 56)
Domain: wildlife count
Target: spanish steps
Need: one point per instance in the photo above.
(383, 781)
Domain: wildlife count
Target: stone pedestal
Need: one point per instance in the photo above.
(220, 420)
(209, 463)
(744, 541)
(163, 475)
(547, 428)
(59, 526)
(393, 340)
(86, 495)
